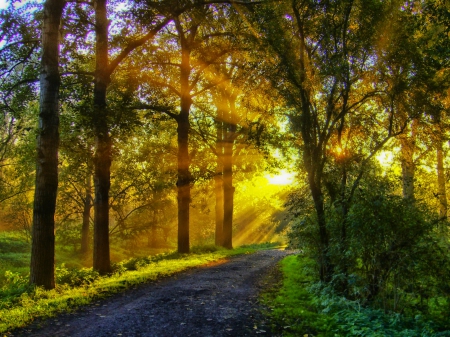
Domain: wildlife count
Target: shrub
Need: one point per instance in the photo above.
(75, 277)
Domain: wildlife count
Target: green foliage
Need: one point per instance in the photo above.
(205, 249)
(303, 306)
(391, 266)
(75, 277)
(14, 255)
(389, 237)
(352, 318)
(13, 287)
(12, 243)
(379, 240)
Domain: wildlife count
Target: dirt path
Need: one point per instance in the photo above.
(219, 300)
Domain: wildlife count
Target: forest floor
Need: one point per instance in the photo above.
(220, 299)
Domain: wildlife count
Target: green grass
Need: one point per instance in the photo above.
(14, 255)
(20, 304)
(301, 306)
(291, 306)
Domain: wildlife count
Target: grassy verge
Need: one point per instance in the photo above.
(291, 306)
(301, 306)
(20, 304)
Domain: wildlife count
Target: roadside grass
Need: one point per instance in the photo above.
(20, 304)
(301, 306)
(291, 307)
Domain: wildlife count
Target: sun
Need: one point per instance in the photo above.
(282, 178)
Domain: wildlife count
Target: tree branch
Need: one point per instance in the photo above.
(135, 44)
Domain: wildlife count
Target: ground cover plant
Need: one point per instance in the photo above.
(21, 303)
(303, 306)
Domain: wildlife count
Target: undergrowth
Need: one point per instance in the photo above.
(20, 304)
(304, 307)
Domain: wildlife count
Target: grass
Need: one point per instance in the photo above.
(14, 255)
(301, 306)
(291, 306)
(20, 304)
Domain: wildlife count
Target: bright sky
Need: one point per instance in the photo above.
(3, 4)
(283, 178)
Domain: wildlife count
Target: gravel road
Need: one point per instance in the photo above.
(218, 300)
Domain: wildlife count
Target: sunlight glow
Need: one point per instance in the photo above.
(385, 158)
(283, 178)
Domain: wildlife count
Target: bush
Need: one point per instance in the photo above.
(301, 306)
(394, 257)
(352, 318)
(75, 277)
(15, 284)
(205, 249)
(385, 251)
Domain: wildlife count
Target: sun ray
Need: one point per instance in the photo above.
(282, 178)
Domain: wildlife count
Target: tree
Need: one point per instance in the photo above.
(101, 115)
(194, 45)
(325, 53)
(42, 269)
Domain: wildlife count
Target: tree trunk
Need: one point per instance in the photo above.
(218, 190)
(228, 196)
(85, 233)
(102, 160)
(326, 269)
(42, 266)
(407, 160)
(441, 179)
(218, 178)
(228, 188)
(184, 179)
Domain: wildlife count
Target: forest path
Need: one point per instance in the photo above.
(217, 300)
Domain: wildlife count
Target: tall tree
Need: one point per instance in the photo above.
(42, 269)
(102, 159)
(218, 176)
(104, 68)
(323, 50)
(180, 73)
(442, 191)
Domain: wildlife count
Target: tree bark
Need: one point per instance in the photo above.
(313, 160)
(326, 269)
(184, 179)
(85, 232)
(228, 196)
(42, 266)
(228, 188)
(218, 191)
(218, 178)
(408, 165)
(102, 160)
(184, 175)
(441, 179)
